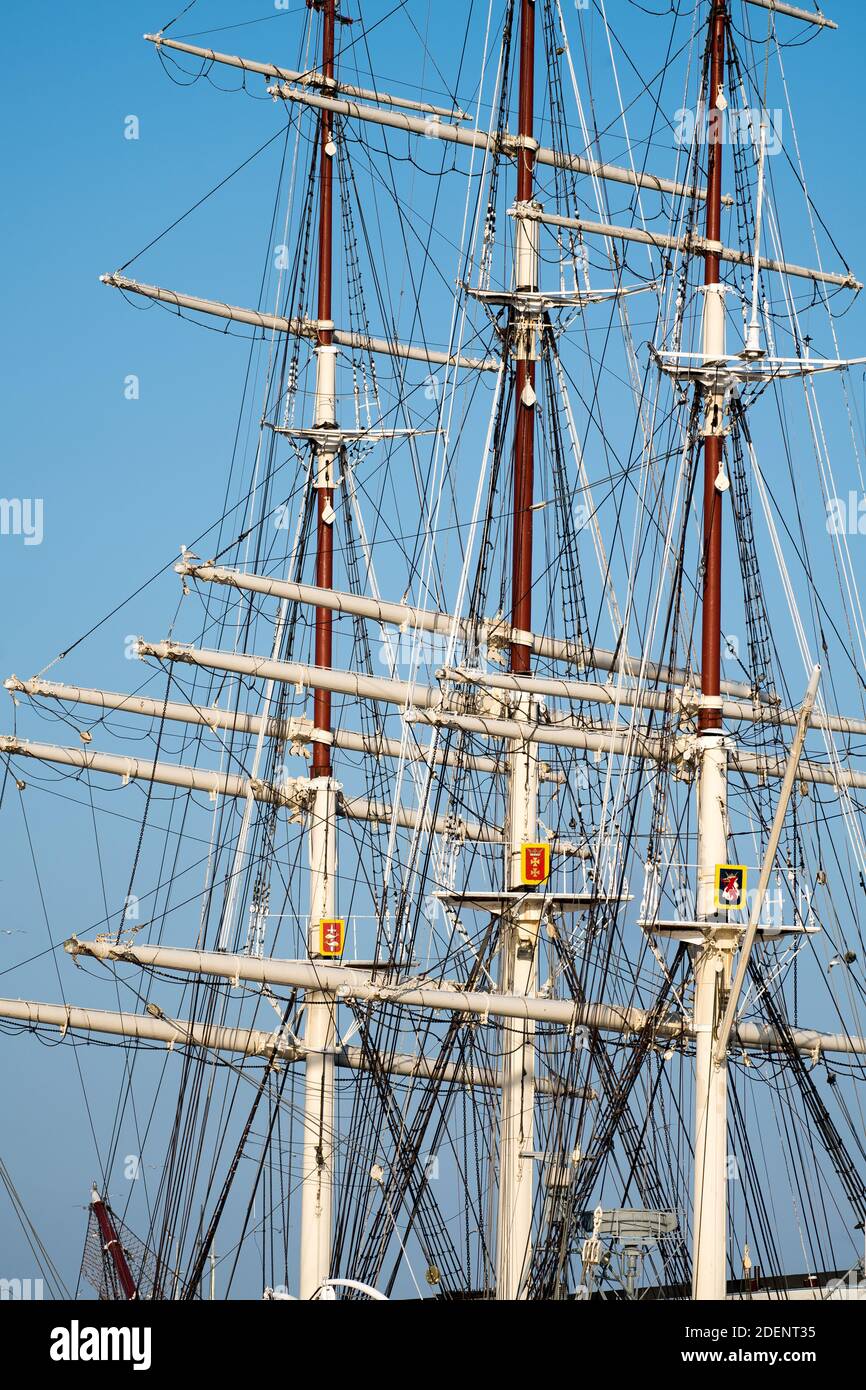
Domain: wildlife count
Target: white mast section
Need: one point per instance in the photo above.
(753, 333)
(320, 1032)
(518, 975)
(712, 974)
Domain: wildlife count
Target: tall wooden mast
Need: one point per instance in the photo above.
(713, 959)
(326, 399)
(526, 270)
(319, 1005)
(520, 918)
(714, 344)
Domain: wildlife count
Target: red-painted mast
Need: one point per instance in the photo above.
(524, 389)
(321, 764)
(711, 643)
(112, 1246)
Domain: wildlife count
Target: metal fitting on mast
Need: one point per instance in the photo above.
(526, 243)
(325, 408)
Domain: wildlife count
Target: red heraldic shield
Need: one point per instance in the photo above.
(534, 864)
(731, 882)
(332, 936)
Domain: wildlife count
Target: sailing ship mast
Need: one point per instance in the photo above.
(712, 961)
(520, 925)
(320, 1023)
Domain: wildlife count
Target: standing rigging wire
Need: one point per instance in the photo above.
(405, 1179)
(149, 790)
(45, 916)
(205, 1244)
(213, 994)
(171, 23)
(44, 1262)
(757, 1216)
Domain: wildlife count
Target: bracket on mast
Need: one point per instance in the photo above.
(548, 904)
(329, 439)
(729, 372)
(534, 303)
(701, 933)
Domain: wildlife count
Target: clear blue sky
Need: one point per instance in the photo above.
(126, 482)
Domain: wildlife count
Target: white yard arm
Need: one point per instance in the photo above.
(507, 144)
(299, 328)
(347, 983)
(694, 245)
(618, 741)
(415, 125)
(494, 632)
(795, 12)
(310, 78)
(295, 731)
(422, 697)
(291, 792)
(155, 1026)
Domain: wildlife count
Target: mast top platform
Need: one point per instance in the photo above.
(698, 933)
(497, 903)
